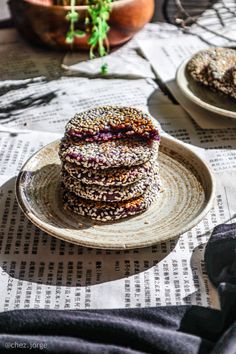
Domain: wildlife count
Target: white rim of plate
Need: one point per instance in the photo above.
(182, 83)
(53, 231)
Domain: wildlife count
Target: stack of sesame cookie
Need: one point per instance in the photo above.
(109, 163)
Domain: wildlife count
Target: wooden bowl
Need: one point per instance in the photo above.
(42, 22)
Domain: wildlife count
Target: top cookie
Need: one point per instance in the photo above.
(111, 123)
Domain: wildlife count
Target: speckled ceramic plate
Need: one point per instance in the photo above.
(187, 195)
(202, 96)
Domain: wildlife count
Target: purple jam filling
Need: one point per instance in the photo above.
(112, 134)
(75, 156)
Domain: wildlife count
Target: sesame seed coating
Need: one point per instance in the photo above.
(224, 76)
(111, 193)
(198, 65)
(108, 177)
(105, 211)
(109, 154)
(215, 67)
(111, 123)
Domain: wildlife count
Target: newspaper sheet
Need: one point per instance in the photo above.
(39, 271)
(4, 13)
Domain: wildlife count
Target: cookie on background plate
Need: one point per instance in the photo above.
(216, 68)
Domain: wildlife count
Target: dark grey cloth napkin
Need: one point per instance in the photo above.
(172, 330)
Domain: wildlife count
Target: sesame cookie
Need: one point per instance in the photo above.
(223, 75)
(215, 67)
(109, 177)
(197, 67)
(111, 193)
(108, 154)
(105, 211)
(111, 123)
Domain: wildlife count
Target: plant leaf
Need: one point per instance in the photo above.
(69, 38)
(79, 33)
(72, 16)
(104, 69)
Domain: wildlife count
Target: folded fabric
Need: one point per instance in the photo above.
(172, 330)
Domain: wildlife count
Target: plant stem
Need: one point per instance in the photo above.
(72, 24)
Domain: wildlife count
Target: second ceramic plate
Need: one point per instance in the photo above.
(202, 96)
(186, 196)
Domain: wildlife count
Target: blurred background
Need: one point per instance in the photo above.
(165, 9)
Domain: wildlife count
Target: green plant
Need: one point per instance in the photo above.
(73, 17)
(96, 25)
(99, 12)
